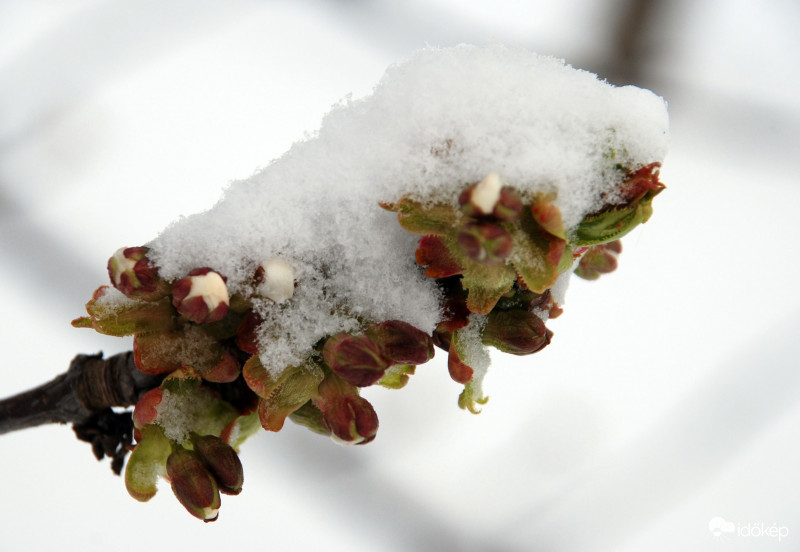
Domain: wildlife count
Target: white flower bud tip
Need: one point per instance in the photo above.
(278, 282)
(487, 193)
(211, 287)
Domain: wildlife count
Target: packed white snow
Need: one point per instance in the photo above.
(444, 119)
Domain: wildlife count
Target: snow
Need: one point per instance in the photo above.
(442, 120)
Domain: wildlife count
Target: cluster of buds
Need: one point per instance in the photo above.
(494, 257)
(498, 254)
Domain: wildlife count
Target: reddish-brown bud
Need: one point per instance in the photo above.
(193, 484)
(222, 461)
(350, 418)
(201, 296)
(356, 358)
(485, 242)
(401, 343)
(598, 260)
(518, 332)
(132, 273)
(246, 333)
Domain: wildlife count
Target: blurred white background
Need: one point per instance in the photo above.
(669, 396)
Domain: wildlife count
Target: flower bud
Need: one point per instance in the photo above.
(356, 358)
(489, 198)
(518, 332)
(351, 418)
(222, 461)
(201, 296)
(277, 280)
(598, 260)
(485, 242)
(193, 484)
(401, 343)
(133, 274)
(247, 333)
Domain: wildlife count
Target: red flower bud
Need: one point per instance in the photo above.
(132, 273)
(485, 242)
(193, 484)
(201, 296)
(246, 335)
(356, 358)
(598, 260)
(401, 343)
(517, 332)
(222, 461)
(351, 418)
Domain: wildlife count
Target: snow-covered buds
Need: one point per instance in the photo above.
(201, 296)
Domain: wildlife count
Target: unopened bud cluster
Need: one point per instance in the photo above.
(494, 256)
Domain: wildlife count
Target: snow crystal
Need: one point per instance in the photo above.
(443, 120)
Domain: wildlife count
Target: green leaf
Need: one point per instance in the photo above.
(537, 255)
(612, 224)
(486, 284)
(437, 218)
(147, 462)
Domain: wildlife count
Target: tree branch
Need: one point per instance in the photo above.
(83, 396)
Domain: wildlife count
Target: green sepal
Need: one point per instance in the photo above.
(241, 429)
(207, 413)
(438, 218)
(396, 377)
(120, 316)
(146, 463)
(311, 417)
(486, 284)
(471, 396)
(614, 223)
(537, 255)
(294, 390)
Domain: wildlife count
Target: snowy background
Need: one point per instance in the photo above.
(670, 395)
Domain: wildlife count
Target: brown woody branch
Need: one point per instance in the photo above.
(84, 396)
